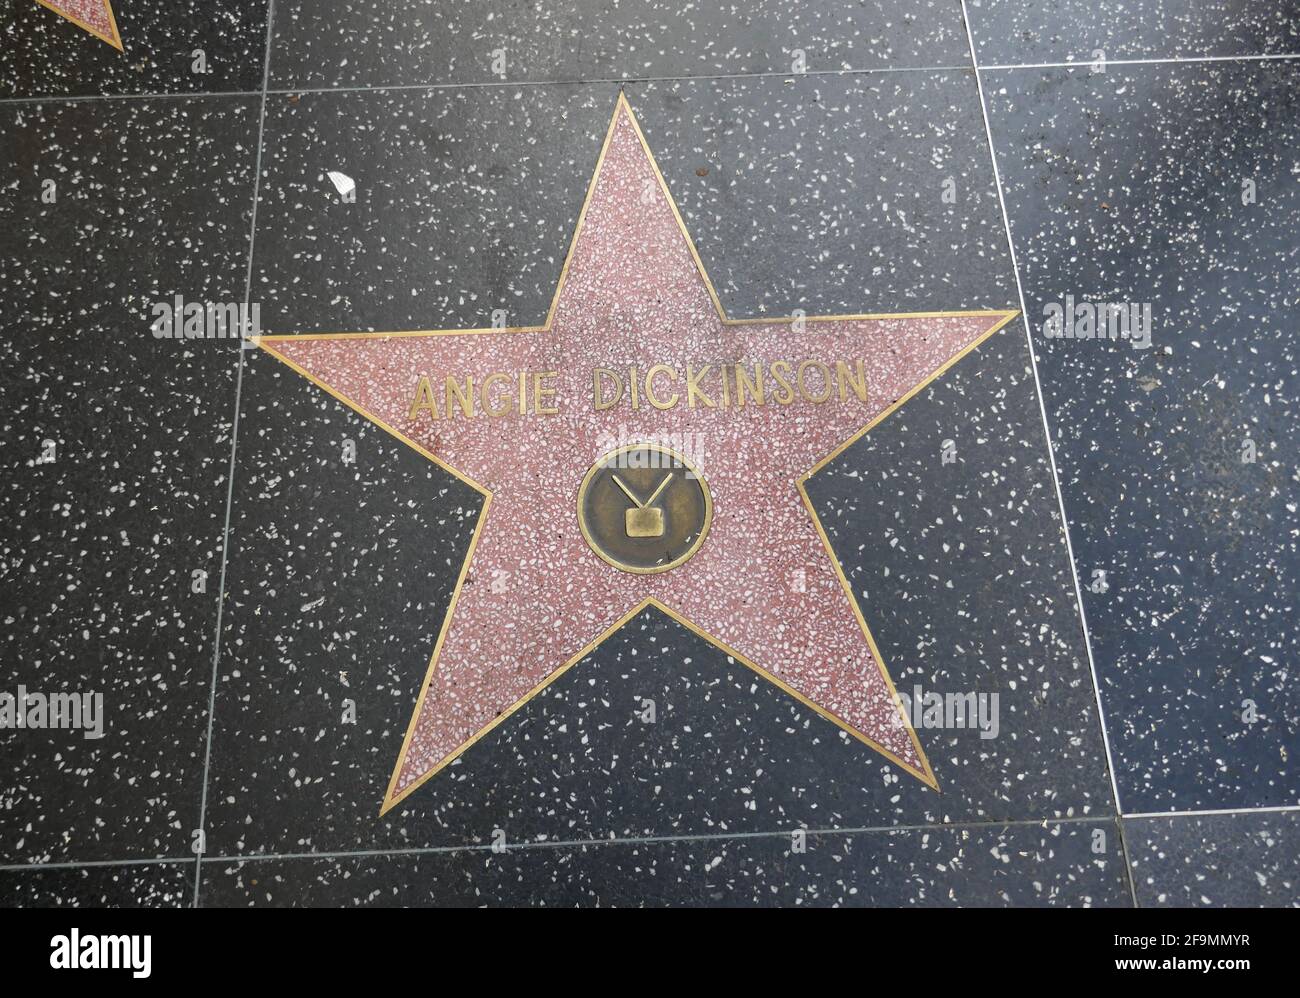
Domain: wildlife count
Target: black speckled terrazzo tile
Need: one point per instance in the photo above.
(1240, 860)
(150, 199)
(1011, 32)
(338, 579)
(1075, 864)
(827, 194)
(43, 54)
(467, 199)
(99, 548)
(373, 43)
(961, 570)
(136, 885)
(114, 454)
(1177, 461)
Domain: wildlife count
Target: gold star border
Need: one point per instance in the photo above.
(999, 319)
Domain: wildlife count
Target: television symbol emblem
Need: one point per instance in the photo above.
(644, 519)
(644, 509)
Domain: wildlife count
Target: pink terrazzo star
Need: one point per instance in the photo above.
(96, 16)
(533, 598)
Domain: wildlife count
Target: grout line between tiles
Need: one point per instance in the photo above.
(1173, 60)
(482, 84)
(641, 840)
(623, 80)
(583, 843)
(94, 864)
(234, 447)
(1051, 456)
(1280, 809)
(85, 98)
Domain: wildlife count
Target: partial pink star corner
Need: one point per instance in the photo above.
(96, 16)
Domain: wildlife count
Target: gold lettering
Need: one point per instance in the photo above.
(540, 393)
(754, 387)
(464, 397)
(423, 400)
(693, 386)
(845, 378)
(485, 394)
(650, 388)
(780, 381)
(598, 394)
(781, 373)
(826, 381)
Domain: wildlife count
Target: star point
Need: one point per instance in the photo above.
(95, 16)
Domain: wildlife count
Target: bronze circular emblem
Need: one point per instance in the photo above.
(644, 508)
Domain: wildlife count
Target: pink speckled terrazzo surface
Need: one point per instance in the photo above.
(762, 583)
(90, 12)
